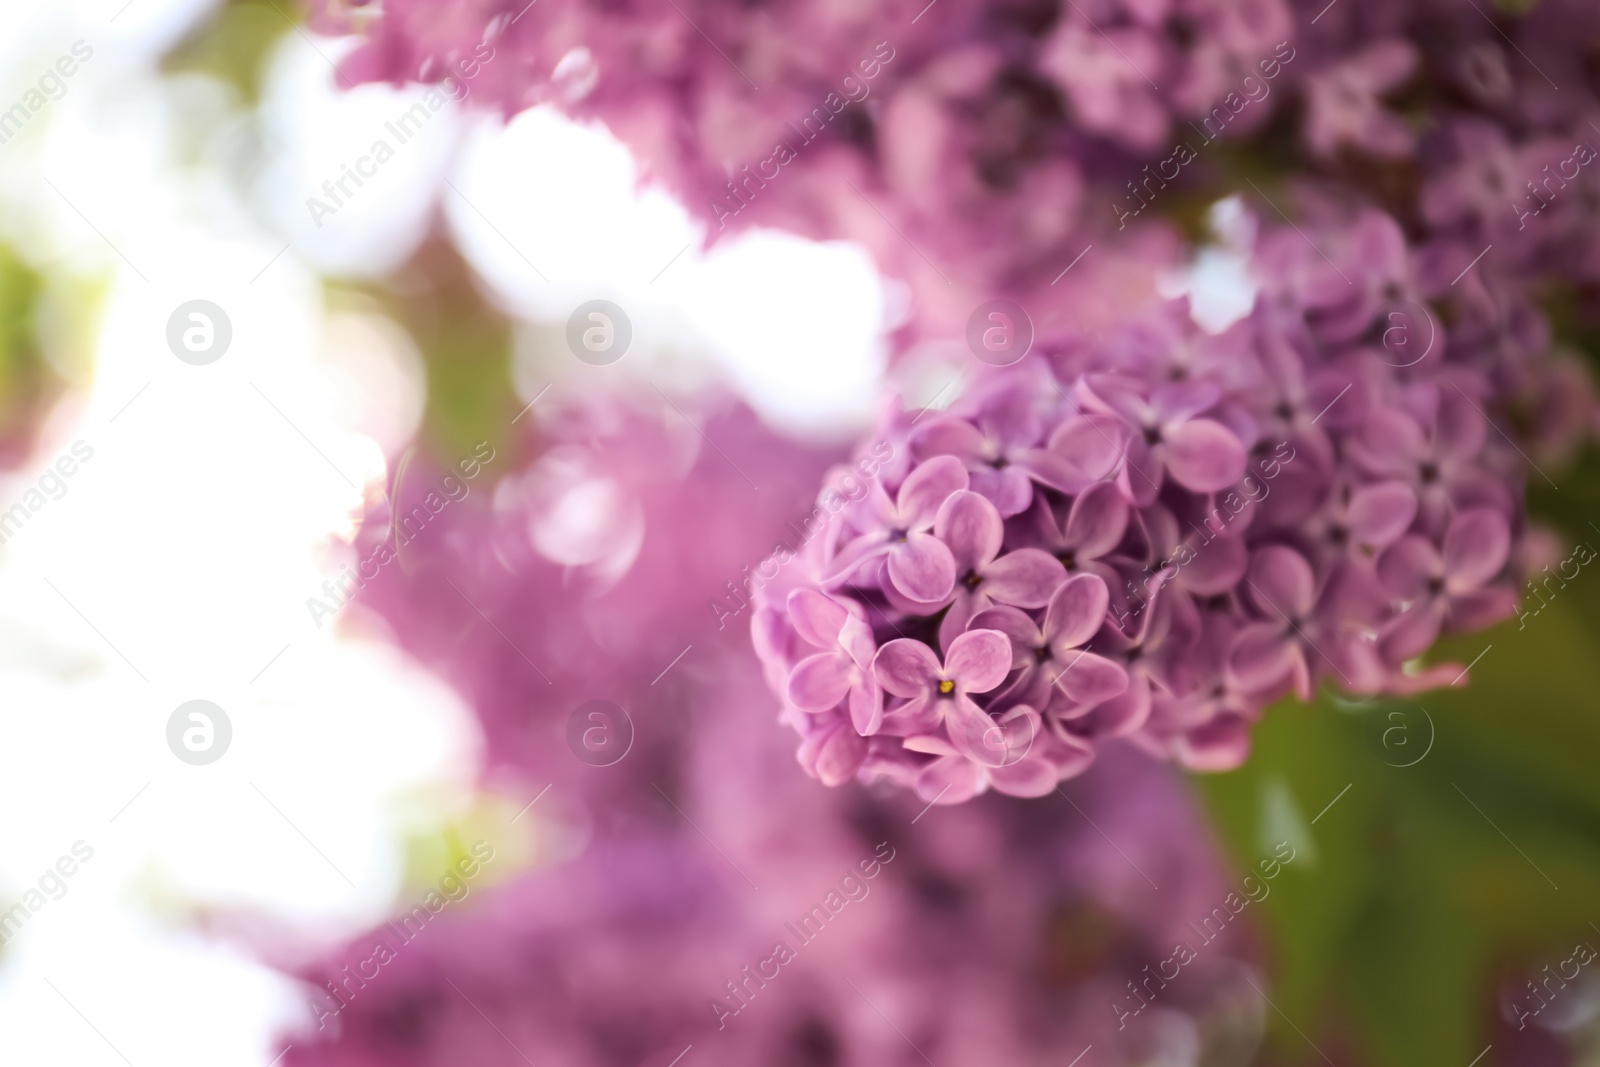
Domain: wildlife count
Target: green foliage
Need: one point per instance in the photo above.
(1432, 880)
(233, 44)
(26, 380)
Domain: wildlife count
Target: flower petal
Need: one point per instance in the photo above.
(1204, 455)
(1475, 548)
(1067, 756)
(926, 488)
(1214, 566)
(1389, 444)
(922, 568)
(855, 637)
(1032, 777)
(818, 618)
(1026, 578)
(833, 755)
(853, 555)
(1261, 657)
(916, 716)
(978, 660)
(1284, 584)
(1010, 417)
(1412, 633)
(1459, 430)
(1087, 679)
(1219, 745)
(1009, 489)
(949, 780)
(1097, 520)
(906, 668)
(1117, 714)
(1083, 450)
(957, 617)
(866, 706)
(974, 734)
(1091, 443)
(970, 527)
(1075, 612)
(949, 436)
(1143, 472)
(1481, 608)
(1181, 401)
(1380, 513)
(1019, 731)
(819, 682)
(1018, 627)
(1407, 565)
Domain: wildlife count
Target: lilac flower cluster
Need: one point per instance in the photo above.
(999, 929)
(970, 145)
(1002, 139)
(1103, 543)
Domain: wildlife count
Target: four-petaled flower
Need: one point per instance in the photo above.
(1025, 578)
(919, 564)
(1054, 670)
(1449, 586)
(938, 695)
(820, 682)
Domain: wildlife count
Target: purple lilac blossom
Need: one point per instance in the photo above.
(1211, 523)
(672, 526)
(978, 148)
(974, 150)
(960, 151)
(994, 929)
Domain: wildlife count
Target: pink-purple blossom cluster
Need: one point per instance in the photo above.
(993, 929)
(976, 149)
(999, 929)
(1151, 536)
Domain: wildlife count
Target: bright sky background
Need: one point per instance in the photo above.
(177, 563)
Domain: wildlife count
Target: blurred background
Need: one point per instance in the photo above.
(195, 516)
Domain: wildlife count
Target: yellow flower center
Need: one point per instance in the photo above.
(947, 687)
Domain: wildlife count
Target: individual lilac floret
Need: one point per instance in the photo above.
(1094, 527)
(919, 564)
(844, 670)
(1001, 448)
(1451, 582)
(1343, 106)
(1052, 668)
(939, 695)
(1277, 649)
(1202, 454)
(1025, 578)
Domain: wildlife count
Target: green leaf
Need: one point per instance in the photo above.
(1467, 842)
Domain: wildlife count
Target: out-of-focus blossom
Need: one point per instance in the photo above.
(1344, 107)
(993, 929)
(976, 149)
(986, 930)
